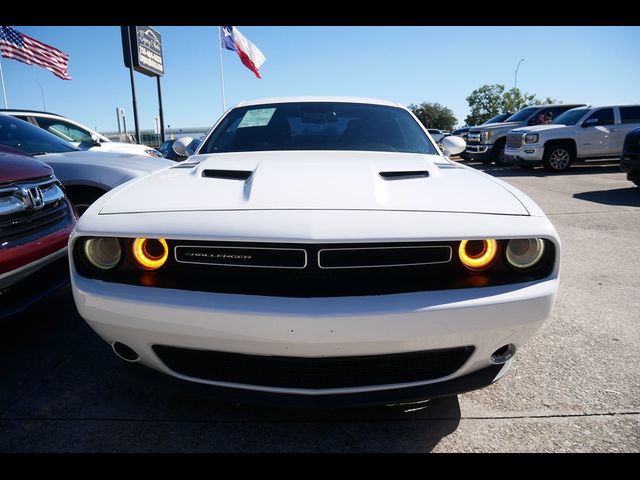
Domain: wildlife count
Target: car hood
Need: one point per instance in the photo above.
(127, 161)
(495, 126)
(16, 168)
(312, 180)
(539, 128)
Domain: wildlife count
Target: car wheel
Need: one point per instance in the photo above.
(498, 153)
(557, 158)
(82, 198)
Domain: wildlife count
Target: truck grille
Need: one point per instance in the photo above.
(514, 140)
(473, 137)
(315, 372)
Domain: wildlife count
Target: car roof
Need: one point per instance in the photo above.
(9, 111)
(591, 107)
(374, 101)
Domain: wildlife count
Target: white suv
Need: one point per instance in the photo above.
(79, 135)
(580, 134)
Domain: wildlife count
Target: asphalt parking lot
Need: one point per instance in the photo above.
(575, 387)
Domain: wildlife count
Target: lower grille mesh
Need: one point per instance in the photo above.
(313, 373)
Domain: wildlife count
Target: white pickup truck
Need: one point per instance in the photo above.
(580, 134)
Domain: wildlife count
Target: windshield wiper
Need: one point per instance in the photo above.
(35, 154)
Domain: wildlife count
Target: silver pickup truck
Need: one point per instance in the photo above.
(487, 143)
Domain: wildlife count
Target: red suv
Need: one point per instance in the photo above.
(35, 222)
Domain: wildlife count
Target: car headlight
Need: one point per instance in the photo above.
(152, 152)
(150, 253)
(103, 253)
(524, 252)
(531, 138)
(477, 254)
(486, 136)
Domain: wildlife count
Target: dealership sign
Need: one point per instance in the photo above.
(146, 50)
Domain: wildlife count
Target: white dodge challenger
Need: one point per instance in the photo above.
(318, 250)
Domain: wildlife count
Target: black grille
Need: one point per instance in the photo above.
(514, 141)
(395, 268)
(242, 256)
(31, 222)
(314, 373)
(383, 256)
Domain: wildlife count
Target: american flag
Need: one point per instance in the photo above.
(23, 48)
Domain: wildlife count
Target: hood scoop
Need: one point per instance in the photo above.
(404, 174)
(227, 174)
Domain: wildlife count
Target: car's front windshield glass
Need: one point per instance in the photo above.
(570, 117)
(318, 126)
(24, 136)
(498, 118)
(522, 115)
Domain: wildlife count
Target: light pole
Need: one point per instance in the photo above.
(516, 82)
(44, 103)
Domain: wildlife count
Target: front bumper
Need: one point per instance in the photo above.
(630, 163)
(478, 151)
(486, 318)
(527, 155)
(45, 277)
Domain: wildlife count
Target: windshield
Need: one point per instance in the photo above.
(570, 117)
(24, 136)
(522, 115)
(501, 117)
(318, 126)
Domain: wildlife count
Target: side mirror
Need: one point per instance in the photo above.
(182, 146)
(453, 145)
(95, 141)
(590, 122)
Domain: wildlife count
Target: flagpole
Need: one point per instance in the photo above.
(4, 92)
(224, 106)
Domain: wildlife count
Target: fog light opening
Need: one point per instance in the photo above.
(503, 354)
(125, 352)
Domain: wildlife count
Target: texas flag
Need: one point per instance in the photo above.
(250, 55)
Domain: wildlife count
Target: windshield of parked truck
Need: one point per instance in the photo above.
(501, 117)
(318, 126)
(570, 117)
(522, 115)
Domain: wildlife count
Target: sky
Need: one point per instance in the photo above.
(595, 65)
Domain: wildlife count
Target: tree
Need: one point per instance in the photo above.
(490, 100)
(484, 102)
(434, 115)
(514, 100)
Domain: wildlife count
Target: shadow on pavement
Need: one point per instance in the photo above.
(516, 171)
(63, 390)
(620, 196)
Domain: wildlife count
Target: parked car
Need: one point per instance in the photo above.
(436, 134)
(168, 148)
(35, 223)
(167, 151)
(464, 131)
(578, 135)
(79, 135)
(487, 143)
(86, 174)
(630, 160)
(318, 250)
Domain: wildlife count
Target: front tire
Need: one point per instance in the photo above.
(557, 158)
(498, 152)
(82, 197)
